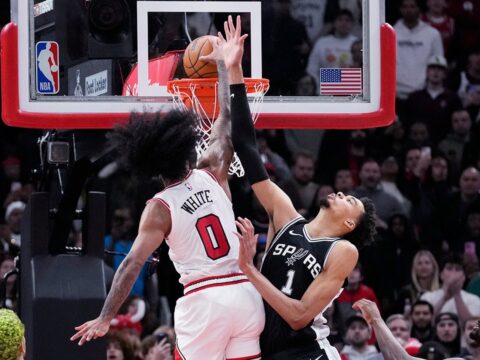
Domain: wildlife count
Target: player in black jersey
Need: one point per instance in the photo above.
(306, 263)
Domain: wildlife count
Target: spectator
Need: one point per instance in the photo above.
(385, 204)
(358, 333)
(10, 176)
(424, 278)
(13, 217)
(355, 7)
(437, 17)
(450, 297)
(333, 51)
(434, 104)
(418, 135)
(301, 188)
(422, 321)
(157, 347)
(453, 144)
(400, 328)
(280, 32)
(12, 336)
(427, 186)
(447, 332)
(454, 214)
(120, 240)
(433, 350)
(398, 245)
(7, 264)
(354, 291)
(467, 28)
(341, 150)
(316, 15)
(5, 236)
(471, 349)
(390, 141)
(473, 230)
(119, 346)
(357, 54)
(344, 181)
(470, 76)
(417, 42)
(390, 170)
(271, 158)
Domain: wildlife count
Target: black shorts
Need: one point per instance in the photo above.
(310, 352)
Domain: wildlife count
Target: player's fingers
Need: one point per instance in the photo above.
(239, 27)
(243, 37)
(240, 226)
(221, 38)
(231, 26)
(80, 327)
(226, 30)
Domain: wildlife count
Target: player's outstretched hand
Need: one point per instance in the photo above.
(368, 309)
(91, 330)
(248, 243)
(233, 47)
(217, 53)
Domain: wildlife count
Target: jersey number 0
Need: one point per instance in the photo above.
(213, 237)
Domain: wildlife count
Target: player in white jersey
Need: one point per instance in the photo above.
(221, 315)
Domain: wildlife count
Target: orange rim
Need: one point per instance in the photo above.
(205, 87)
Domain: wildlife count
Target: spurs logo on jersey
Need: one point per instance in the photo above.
(292, 263)
(201, 240)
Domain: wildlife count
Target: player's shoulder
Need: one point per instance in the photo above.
(343, 251)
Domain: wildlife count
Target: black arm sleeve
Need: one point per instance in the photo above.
(243, 135)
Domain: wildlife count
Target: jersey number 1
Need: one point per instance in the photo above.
(211, 232)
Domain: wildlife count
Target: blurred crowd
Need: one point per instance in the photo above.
(422, 173)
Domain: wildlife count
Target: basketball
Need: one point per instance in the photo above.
(195, 68)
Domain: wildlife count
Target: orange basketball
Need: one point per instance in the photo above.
(195, 68)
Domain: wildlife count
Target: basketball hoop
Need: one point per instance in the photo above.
(201, 96)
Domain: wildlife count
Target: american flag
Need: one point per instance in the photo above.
(341, 81)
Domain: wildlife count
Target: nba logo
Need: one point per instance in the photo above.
(189, 186)
(48, 76)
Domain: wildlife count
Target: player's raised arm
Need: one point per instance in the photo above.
(219, 154)
(270, 195)
(154, 224)
(319, 294)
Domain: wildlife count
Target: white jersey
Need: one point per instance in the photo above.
(201, 240)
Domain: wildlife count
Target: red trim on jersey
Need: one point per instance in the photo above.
(212, 278)
(251, 357)
(215, 285)
(212, 175)
(178, 354)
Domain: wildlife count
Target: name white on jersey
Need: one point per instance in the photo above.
(202, 241)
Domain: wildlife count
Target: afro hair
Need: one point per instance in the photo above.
(153, 145)
(12, 332)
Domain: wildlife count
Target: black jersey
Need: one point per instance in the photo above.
(291, 263)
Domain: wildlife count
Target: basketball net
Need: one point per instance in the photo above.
(201, 97)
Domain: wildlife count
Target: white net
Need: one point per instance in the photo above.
(185, 97)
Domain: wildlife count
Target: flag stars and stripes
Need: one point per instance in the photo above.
(341, 81)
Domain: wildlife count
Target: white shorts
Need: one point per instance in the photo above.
(219, 318)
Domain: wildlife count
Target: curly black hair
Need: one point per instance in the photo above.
(155, 144)
(365, 231)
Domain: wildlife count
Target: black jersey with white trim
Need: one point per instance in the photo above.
(291, 263)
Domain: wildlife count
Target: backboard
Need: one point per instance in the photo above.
(89, 63)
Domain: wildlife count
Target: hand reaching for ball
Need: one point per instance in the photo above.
(231, 49)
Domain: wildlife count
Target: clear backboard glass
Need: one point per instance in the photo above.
(89, 63)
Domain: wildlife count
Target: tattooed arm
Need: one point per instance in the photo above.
(154, 225)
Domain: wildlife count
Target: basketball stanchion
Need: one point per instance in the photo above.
(201, 96)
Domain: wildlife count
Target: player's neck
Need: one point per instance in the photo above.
(321, 226)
